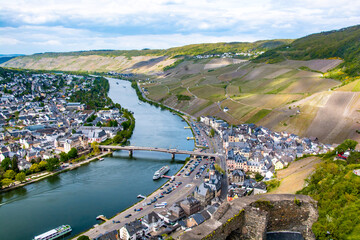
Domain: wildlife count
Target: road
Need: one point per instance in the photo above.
(186, 188)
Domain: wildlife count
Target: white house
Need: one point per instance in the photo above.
(152, 221)
(132, 230)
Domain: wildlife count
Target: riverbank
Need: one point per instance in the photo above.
(102, 187)
(93, 232)
(50, 174)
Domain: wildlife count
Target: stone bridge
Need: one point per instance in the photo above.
(173, 152)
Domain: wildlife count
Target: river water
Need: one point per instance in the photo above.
(102, 187)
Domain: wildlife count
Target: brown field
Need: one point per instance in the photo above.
(146, 64)
(222, 62)
(293, 178)
(322, 65)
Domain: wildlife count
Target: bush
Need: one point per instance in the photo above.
(82, 237)
(272, 184)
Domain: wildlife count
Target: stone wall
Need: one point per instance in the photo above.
(251, 217)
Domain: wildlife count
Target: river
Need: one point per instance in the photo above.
(102, 187)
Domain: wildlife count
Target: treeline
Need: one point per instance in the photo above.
(343, 43)
(97, 97)
(171, 66)
(9, 170)
(158, 105)
(336, 188)
(128, 128)
(188, 50)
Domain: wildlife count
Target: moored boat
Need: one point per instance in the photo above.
(161, 172)
(54, 233)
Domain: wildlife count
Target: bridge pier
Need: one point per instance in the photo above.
(130, 153)
(173, 156)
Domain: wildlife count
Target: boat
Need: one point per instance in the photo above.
(141, 196)
(54, 233)
(117, 83)
(161, 172)
(101, 159)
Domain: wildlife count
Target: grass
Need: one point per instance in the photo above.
(355, 234)
(157, 92)
(209, 92)
(356, 87)
(236, 109)
(280, 89)
(293, 177)
(258, 116)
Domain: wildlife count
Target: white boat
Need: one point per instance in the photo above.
(54, 233)
(141, 196)
(101, 159)
(161, 172)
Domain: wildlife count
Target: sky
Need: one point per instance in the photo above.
(35, 26)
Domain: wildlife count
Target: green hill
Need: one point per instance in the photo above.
(218, 48)
(343, 43)
(188, 50)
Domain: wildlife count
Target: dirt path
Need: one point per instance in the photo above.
(293, 177)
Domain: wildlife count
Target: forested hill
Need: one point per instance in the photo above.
(188, 50)
(146, 61)
(343, 43)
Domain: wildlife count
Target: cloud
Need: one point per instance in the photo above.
(54, 39)
(109, 20)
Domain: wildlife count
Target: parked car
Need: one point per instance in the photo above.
(127, 216)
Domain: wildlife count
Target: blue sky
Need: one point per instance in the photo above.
(33, 26)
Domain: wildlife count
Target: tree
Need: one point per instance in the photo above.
(52, 164)
(125, 124)
(212, 132)
(95, 147)
(218, 168)
(63, 157)
(353, 158)
(258, 177)
(198, 119)
(35, 168)
(83, 237)
(42, 165)
(346, 145)
(118, 138)
(20, 177)
(6, 163)
(9, 174)
(14, 164)
(73, 153)
(6, 182)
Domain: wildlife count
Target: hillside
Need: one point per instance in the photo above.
(287, 88)
(135, 61)
(343, 43)
(277, 96)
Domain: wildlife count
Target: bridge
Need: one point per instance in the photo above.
(173, 152)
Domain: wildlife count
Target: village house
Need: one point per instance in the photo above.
(152, 221)
(132, 230)
(190, 205)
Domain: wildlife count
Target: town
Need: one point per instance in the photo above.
(251, 154)
(43, 128)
